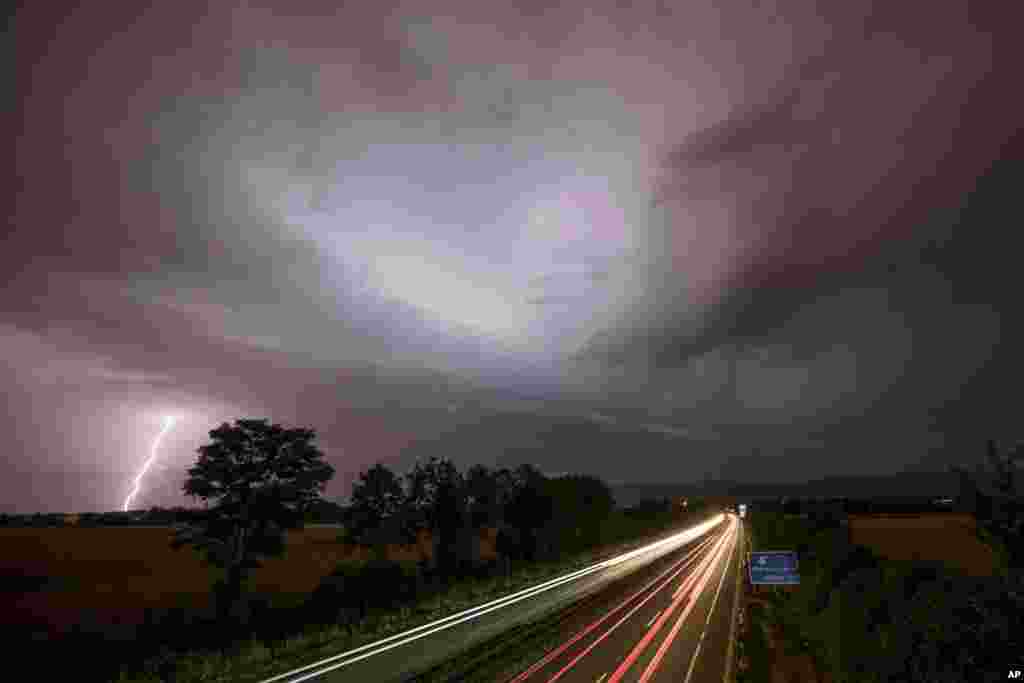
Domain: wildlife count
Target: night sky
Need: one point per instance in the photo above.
(649, 241)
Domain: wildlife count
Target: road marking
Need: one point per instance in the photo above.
(696, 585)
(693, 660)
(727, 675)
(671, 572)
(652, 667)
(631, 612)
(718, 592)
(648, 624)
(725, 571)
(603, 676)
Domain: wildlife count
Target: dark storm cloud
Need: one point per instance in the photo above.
(394, 225)
(865, 249)
(571, 443)
(851, 154)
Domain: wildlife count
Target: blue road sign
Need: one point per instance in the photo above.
(778, 567)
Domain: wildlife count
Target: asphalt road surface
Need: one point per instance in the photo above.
(673, 626)
(658, 596)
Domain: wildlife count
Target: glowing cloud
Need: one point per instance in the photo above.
(168, 423)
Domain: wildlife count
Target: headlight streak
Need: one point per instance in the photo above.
(681, 567)
(673, 570)
(695, 584)
(711, 612)
(153, 451)
(370, 649)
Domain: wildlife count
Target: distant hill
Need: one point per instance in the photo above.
(903, 484)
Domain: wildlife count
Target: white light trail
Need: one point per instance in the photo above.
(168, 423)
(324, 666)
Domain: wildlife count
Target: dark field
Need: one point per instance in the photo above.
(53, 577)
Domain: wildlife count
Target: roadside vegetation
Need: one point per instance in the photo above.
(332, 621)
(409, 549)
(858, 616)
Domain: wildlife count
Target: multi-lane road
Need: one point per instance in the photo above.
(674, 627)
(661, 612)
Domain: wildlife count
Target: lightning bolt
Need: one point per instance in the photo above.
(168, 423)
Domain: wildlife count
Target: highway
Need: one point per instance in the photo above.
(641, 615)
(676, 626)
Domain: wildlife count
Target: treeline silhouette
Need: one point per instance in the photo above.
(155, 516)
(534, 518)
(321, 511)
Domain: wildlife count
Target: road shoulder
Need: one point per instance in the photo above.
(729, 675)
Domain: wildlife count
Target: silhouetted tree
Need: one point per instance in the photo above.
(506, 542)
(376, 496)
(436, 494)
(260, 479)
(483, 496)
(505, 488)
(529, 509)
(582, 503)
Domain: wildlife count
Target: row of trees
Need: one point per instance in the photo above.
(534, 515)
(259, 480)
(154, 516)
(320, 511)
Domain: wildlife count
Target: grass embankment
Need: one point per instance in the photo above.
(909, 598)
(768, 643)
(256, 660)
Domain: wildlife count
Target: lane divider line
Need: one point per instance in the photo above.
(711, 612)
(631, 658)
(575, 660)
(670, 638)
(544, 661)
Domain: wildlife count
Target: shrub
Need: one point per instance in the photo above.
(351, 590)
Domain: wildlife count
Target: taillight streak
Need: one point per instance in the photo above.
(690, 582)
(544, 661)
(561, 672)
(652, 667)
(324, 666)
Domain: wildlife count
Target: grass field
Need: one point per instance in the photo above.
(119, 571)
(947, 538)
